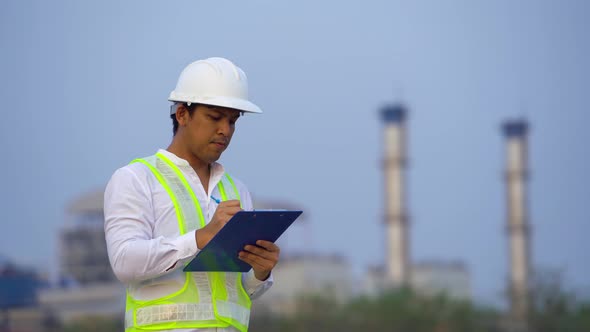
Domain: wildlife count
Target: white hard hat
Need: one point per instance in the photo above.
(213, 81)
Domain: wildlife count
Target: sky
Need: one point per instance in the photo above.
(84, 87)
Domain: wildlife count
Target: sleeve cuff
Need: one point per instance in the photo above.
(253, 285)
(187, 246)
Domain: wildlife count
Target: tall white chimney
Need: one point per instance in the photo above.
(518, 228)
(396, 219)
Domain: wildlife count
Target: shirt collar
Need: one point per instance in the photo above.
(216, 168)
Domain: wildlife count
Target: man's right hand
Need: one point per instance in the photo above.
(225, 210)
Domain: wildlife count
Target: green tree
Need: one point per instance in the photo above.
(95, 324)
(399, 310)
(556, 309)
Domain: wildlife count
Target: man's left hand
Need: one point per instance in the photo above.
(262, 257)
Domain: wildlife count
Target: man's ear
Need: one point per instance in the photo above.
(182, 115)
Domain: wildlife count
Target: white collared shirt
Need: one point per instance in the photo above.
(136, 207)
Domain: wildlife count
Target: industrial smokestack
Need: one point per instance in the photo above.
(517, 223)
(396, 219)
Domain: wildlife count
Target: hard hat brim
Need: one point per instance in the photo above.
(229, 102)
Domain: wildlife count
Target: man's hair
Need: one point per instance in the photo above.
(191, 109)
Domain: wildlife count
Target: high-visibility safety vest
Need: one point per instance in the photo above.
(207, 299)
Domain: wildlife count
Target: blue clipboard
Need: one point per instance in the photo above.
(245, 227)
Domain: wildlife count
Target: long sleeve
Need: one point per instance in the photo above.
(129, 224)
(254, 287)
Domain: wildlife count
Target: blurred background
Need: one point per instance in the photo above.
(439, 151)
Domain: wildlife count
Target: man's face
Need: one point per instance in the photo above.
(209, 131)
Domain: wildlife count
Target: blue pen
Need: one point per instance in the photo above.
(217, 200)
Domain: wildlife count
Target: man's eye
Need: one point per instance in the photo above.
(215, 118)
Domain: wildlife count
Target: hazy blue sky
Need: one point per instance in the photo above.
(83, 88)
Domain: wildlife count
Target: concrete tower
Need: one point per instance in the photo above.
(517, 223)
(396, 220)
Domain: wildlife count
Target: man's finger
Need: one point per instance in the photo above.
(229, 210)
(256, 261)
(268, 245)
(230, 203)
(261, 252)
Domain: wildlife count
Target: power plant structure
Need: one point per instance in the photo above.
(397, 266)
(430, 277)
(518, 229)
(82, 247)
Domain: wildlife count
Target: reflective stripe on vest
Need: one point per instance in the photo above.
(207, 299)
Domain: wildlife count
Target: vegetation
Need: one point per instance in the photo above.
(394, 311)
(95, 324)
(552, 310)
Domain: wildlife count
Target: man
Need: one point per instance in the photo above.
(161, 210)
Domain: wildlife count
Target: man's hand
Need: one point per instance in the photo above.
(262, 257)
(225, 210)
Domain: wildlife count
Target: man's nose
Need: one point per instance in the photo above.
(224, 127)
